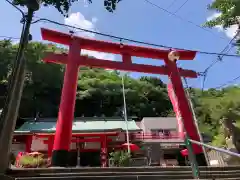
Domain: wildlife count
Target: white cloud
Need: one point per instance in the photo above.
(78, 20)
(230, 32)
(94, 20)
(99, 55)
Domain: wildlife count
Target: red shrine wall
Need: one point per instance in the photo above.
(19, 147)
(38, 144)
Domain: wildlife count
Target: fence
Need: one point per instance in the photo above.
(147, 136)
(135, 162)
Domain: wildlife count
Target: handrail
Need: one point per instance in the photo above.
(215, 148)
(150, 136)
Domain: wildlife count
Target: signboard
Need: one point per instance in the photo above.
(169, 145)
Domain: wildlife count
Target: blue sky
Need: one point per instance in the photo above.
(144, 22)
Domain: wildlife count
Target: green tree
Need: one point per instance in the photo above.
(63, 6)
(102, 91)
(211, 106)
(229, 13)
(99, 91)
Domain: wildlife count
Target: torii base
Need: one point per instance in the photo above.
(200, 158)
(60, 158)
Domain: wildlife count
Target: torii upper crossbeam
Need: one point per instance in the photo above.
(73, 60)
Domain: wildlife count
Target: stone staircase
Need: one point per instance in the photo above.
(217, 156)
(132, 173)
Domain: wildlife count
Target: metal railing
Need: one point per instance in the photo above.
(215, 148)
(192, 158)
(145, 136)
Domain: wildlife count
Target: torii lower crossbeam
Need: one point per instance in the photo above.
(73, 60)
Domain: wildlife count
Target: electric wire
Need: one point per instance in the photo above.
(136, 41)
(182, 19)
(227, 83)
(224, 52)
(9, 2)
(205, 72)
(141, 42)
(11, 77)
(170, 5)
(132, 40)
(181, 6)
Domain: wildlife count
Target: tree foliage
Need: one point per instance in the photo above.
(229, 13)
(99, 91)
(63, 6)
(212, 106)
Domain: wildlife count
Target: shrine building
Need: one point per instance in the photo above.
(93, 138)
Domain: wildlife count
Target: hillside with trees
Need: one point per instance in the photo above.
(222, 104)
(100, 92)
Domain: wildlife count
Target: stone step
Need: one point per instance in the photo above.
(132, 177)
(63, 174)
(136, 173)
(117, 169)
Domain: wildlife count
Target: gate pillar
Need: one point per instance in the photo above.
(63, 135)
(184, 108)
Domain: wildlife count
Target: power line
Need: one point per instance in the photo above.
(219, 59)
(182, 19)
(9, 2)
(205, 72)
(170, 5)
(132, 40)
(228, 82)
(181, 6)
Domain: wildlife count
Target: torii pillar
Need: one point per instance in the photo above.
(73, 60)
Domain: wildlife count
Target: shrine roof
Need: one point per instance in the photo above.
(95, 124)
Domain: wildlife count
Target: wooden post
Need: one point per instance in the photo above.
(104, 152)
(28, 143)
(50, 145)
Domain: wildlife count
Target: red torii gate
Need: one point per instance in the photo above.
(73, 60)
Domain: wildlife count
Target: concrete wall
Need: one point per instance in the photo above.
(38, 145)
(149, 124)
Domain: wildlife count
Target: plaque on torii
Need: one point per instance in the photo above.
(73, 60)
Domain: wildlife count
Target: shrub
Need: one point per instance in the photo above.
(30, 161)
(120, 158)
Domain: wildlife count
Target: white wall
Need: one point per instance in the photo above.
(38, 144)
(92, 145)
